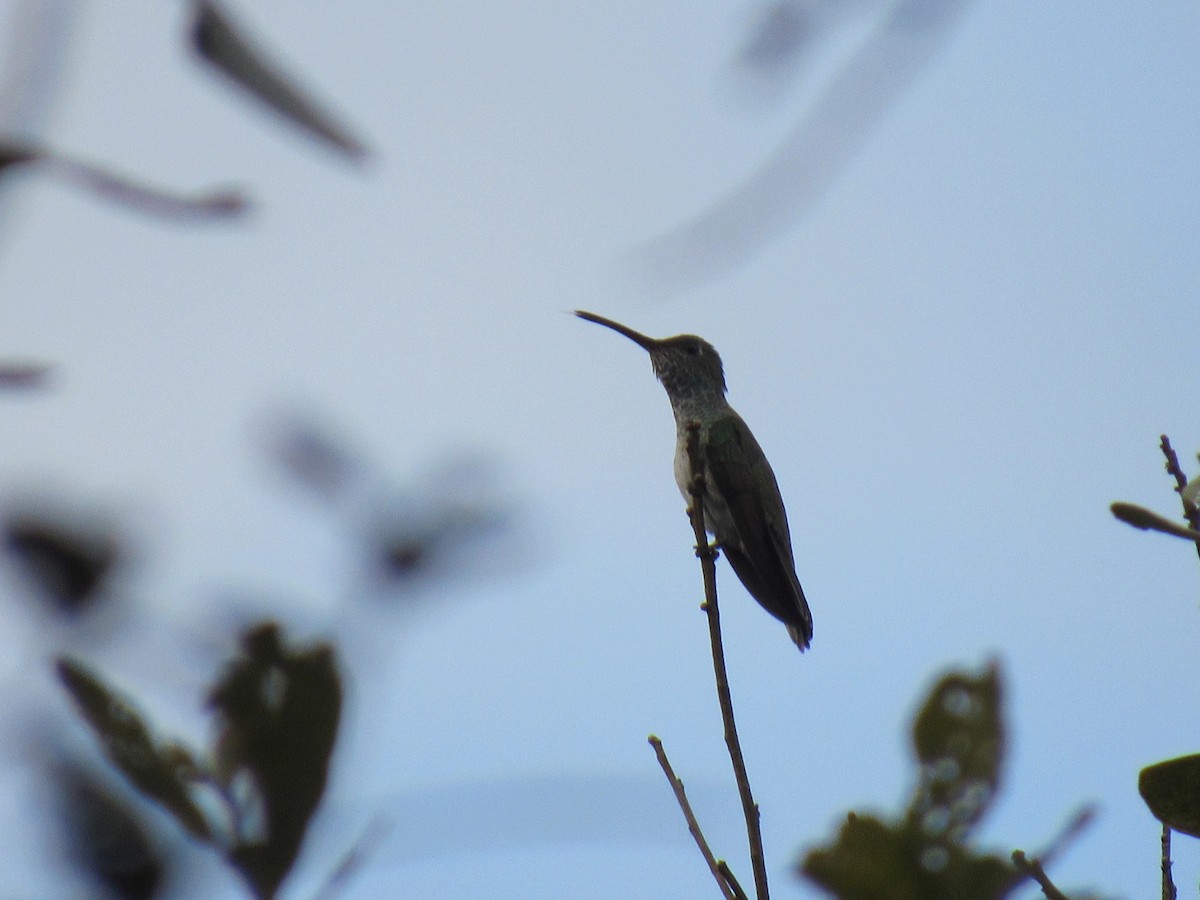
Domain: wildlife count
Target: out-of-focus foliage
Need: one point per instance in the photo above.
(277, 711)
(406, 534)
(785, 32)
(878, 860)
(926, 854)
(107, 837)
(23, 374)
(790, 180)
(163, 771)
(65, 560)
(778, 36)
(315, 459)
(958, 736)
(218, 203)
(1172, 791)
(223, 43)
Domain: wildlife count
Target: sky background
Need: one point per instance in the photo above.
(957, 347)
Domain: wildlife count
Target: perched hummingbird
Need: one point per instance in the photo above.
(742, 506)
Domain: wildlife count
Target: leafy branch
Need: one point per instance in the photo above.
(277, 711)
(958, 739)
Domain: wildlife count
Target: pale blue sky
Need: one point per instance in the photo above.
(960, 353)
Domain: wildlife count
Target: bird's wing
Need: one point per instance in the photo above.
(741, 476)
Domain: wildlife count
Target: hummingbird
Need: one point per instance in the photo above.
(743, 508)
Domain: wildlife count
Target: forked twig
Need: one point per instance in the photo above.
(1033, 868)
(720, 871)
(708, 565)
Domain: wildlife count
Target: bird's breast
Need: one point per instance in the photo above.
(716, 513)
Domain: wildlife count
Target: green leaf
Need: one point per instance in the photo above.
(1172, 791)
(278, 710)
(958, 737)
(875, 860)
(158, 770)
(958, 741)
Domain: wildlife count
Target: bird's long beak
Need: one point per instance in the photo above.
(646, 343)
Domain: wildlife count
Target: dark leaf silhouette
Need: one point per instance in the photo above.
(958, 737)
(108, 838)
(162, 771)
(278, 711)
(874, 860)
(224, 44)
(958, 740)
(120, 189)
(66, 562)
(1172, 791)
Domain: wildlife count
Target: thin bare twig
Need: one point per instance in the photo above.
(731, 880)
(367, 843)
(1168, 883)
(714, 865)
(1081, 820)
(1190, 512)
(1033, 869)
(708, 565)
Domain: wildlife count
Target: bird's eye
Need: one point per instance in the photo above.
(691, 349)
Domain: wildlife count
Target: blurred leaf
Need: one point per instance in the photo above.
(791, 180)
(430, 529)
(142, 198)
(778, 36)
(109, 839)
(409, 549)
(958, 736)
(313, 457)
(66, 562)
(225, 45)
(1172, 791)
(1148, 520)
(873, 860)
(788, 30)
(15, 155)
(278, 712)
(21, 375)
(439, 524)
(161, 771)
(958, 741)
